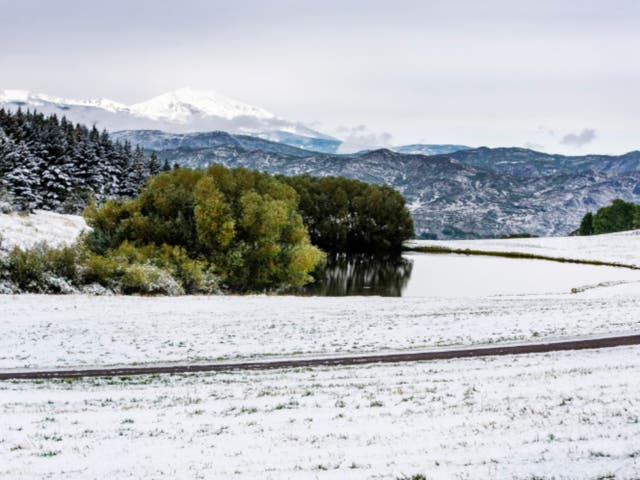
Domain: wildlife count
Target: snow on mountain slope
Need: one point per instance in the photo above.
(183, 110)
(180, 105)
(26, 99)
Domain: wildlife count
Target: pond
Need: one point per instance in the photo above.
(442, 275)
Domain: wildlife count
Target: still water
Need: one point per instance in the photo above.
(429, 275)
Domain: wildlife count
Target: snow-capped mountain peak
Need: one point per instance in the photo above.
(180, 111)
(180, 105)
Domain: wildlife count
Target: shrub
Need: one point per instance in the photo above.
(102, 270)
(65, 262)
(148, 279)
(44, 269)
(27, 268)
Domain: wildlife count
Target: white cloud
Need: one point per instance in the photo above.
(578, 140)
(360, 138)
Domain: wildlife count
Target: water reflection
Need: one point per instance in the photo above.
(362, 275)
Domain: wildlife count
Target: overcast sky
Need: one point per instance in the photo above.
(558, 76)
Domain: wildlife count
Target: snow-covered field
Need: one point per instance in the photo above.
(42, 226)
(76, 329)
(619, 247)
(562, 415)
(569, 415)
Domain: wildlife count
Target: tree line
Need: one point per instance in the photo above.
(53, 164)
(240, 230)
(617, 217)
(350, 216)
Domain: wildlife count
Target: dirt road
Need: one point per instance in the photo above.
(576, 343)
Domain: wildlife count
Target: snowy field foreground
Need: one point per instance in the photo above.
(621, 247)
(41, 330)
(569, 415)
(42, 226)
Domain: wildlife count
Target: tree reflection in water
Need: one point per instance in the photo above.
(362, 275)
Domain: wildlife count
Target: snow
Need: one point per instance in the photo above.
(176, 106)
(86, 330)
(415, 205)
(25, 230)
(39, 99)
(565, 415)
(103, 103)
(561, 415)
(182, 110)
(181, 104)
(14, 95)
(621, 247)
(41, 330)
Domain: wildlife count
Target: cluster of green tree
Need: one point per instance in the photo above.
(237, 228)
(617, 217)
(350, 216)
(220, 229)
(50, 163)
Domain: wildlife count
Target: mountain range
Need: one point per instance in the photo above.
(453, 191)
(183, 110)
(188, 110)
(480, 192)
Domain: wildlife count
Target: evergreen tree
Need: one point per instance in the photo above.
(586, 225)
(21, 181)
(136, 174)
(615, 218)
(154, 164)
(47, 162)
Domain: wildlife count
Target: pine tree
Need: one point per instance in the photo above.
(137, 173)
(46, 162)
(586, 225)
(21, 182)
(154, 164)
